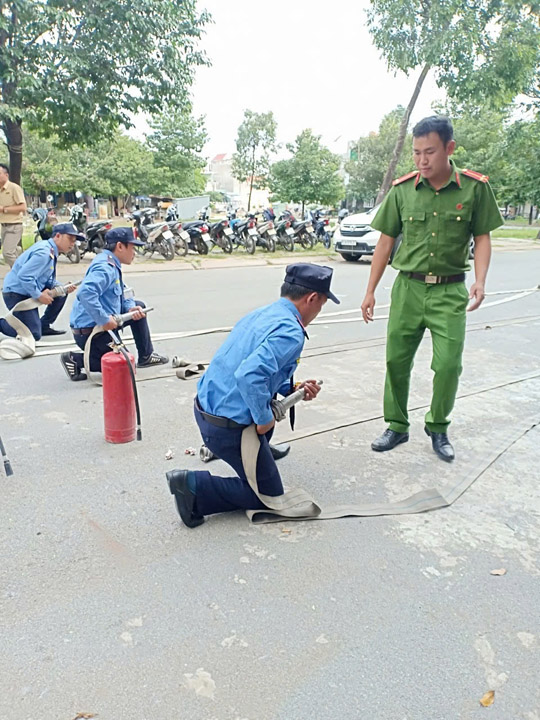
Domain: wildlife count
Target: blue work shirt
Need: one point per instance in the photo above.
(34, 270)
(256, 361)
(101, 293)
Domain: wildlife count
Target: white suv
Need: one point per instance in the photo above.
(355, 236)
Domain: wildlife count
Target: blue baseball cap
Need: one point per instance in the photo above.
(123, 235)
(67, 229)
(313, 277)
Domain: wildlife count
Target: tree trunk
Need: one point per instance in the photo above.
(251, 181)
(531, 214)
(250, 191)
(401, 136)
(14, 140)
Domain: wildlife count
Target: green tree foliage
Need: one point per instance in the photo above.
(521, 177)
(78, 70)
(177, 139)
(255, 144)
(117, 166)
(372, 155)
(485, 51)
(310, 175)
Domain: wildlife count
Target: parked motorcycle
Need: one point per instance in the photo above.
(245, 232)
(45, 220)
(285, 235)
(321, 226)
(156, 237)
(221, 234)
(180, 236)
(199, 237)
(266, 233)
(303, 230)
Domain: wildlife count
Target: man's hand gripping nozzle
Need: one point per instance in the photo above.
(280, 407)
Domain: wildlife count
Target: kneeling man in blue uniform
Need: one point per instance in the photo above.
(256, 362)
(102, 295)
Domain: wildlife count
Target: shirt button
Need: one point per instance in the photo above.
(437, 192)
(435, 214)
(433, 234)
(431, 254)
(410, 219)
(430, 273)
(458, 218)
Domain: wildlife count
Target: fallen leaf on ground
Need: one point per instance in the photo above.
(500, 571)
(488, 699)
(84, 716)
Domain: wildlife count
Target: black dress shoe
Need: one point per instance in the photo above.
(51, 331)
(388, 440)
(441, 445)
(279, 451)
(184, 498)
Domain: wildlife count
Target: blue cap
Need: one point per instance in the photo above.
(123, 235)
(67, 229)
(313, 277)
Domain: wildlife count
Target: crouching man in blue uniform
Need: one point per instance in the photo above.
(32, 276)
(100, 297)
(256, 362)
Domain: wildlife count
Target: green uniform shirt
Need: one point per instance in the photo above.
(437, 224)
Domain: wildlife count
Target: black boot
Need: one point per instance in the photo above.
(388, 440)
(441, 445)
(184, 498)
(279, 451)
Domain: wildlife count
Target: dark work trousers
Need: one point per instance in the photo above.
(31, 317)
(217, 494)
(101, 342)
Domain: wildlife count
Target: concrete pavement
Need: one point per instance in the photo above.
(110, 606)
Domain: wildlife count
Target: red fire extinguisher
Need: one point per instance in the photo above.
(119, 407)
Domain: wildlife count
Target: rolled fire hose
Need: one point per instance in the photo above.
(24, 345)
(122, 318)
(297, 504)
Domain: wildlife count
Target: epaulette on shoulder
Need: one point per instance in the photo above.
(475, 175)
(408, 176)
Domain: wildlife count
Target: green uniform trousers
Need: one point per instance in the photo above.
(441, 309)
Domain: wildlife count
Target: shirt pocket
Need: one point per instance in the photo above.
(458, 225)
(118, 289)
(414, 226)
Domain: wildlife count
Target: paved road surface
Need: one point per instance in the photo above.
(110, 606)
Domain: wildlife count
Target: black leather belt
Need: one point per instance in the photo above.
(217, 420)
(435, 279)
(82, 331)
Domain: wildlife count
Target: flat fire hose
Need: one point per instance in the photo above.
(297, 504)
(24, 345)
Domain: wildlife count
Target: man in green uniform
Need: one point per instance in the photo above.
(437, 209)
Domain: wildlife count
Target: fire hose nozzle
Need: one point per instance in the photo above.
(280, 407)
(125, 317)
(61, 290)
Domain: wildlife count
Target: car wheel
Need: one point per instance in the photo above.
(350, 258)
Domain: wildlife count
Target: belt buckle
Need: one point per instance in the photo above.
(431, 279)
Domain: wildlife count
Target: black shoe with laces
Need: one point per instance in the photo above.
(70, 365)
(441, 445)
(388, 440)
(153, 359)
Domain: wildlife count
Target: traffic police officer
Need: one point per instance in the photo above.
(256, 361)
(102, 295)
(32, 276)
(437, 209)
